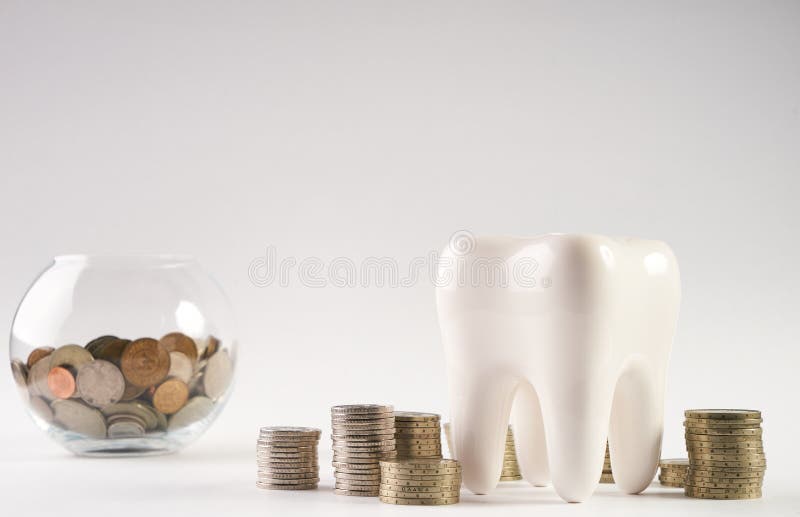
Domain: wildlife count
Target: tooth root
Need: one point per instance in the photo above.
(576, 426)
(635, 429)
(479, 427)
(529, 438)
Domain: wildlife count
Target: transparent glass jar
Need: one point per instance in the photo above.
(123, 355)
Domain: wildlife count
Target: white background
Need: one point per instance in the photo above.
(357, 129)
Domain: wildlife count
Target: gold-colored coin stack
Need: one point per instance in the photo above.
(420, 481)
(511, 471)
(417, 435)
(287, 458)
(363, 435)
(726, 453)
(607, 476)
(118, 388)
(673, 472)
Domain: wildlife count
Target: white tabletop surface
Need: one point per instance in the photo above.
(210, 477)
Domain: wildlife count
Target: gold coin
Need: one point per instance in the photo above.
(178, 342)
(734, 464)
(398, 500)
(110, 350)
(724, 432)
(170, 396)
(702, 495)
(145, 362)
(96, 342)
(441, 478)
(741, 490)
(671, 484)
(722, 424)
(413, 484)
(674, 463)
(755, 456)
(418, 495)
(398, 424)
(725, 446)
(702, 452)
(726, 485)
(415, 416)
(37, 354)
(692, 438)
(421, 464)
(722, 414)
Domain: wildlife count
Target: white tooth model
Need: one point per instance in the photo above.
(575, 332)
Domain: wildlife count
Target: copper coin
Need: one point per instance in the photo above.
(61, 382)
(145, 362)
(212, 345)
(170, 396)
(111, 350)
(39, 353)
(177, 342)
(100, 383)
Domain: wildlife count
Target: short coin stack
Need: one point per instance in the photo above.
(607, 475)
(726, 454)
(363, 435)
(420, 481)
(511, 471)
(673, 472)
(417, 435)
(287, 458)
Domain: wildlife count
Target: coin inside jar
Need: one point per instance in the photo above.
(170, 396)
(100, 383)
(180, 367)
(70, 355)
(61, 382)
(218, 374)
(37, 354)
(196, 409)
(179, 342)
(145, 362)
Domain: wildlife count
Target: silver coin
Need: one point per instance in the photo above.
(218, 374)
(80, 418)
(37, 379)
(100, 383)
(290, 431)
(196, 409)
(349, 409)
(146, 413)
(70, 355)
(20, 373)
(41, 408)
(125, 429)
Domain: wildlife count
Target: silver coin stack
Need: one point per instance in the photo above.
(287, 458)
(363, 435)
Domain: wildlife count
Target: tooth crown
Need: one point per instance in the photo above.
(565, 327)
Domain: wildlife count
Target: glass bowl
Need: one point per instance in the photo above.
(123, 355)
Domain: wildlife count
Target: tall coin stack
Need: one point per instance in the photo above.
(420, 481)
(287, 458)
(363, 435)
(607, 476)
(673, 472)
(511, 471)
(726, 454)
(417, 435)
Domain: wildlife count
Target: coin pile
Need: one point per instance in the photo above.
(607, 475)
(673, 472)
(420, 481)
(118, 388)
(363, 435)
(287, 458)
(726, 454)
(511, 471)
(417, 435)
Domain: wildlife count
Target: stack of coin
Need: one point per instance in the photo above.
(726, 454)
(287, 458)
(607, 475)
(420, 481)
(363, 435)
(511, 471)
(673, 472)
(417, 435)
(118, 388)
